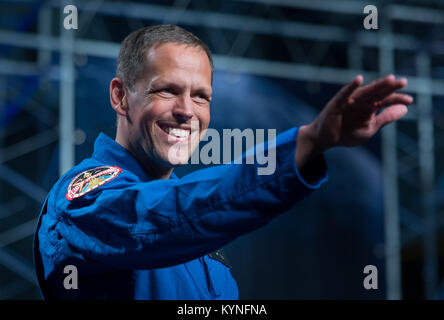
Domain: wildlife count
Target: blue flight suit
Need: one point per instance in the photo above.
(138, 238)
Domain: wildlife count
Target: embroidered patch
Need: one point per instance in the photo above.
(91, 179)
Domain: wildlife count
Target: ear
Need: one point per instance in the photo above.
(118, 97)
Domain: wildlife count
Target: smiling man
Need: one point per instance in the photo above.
(121, 225)
(172, 89)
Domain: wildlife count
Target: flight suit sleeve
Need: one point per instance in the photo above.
(128, 224)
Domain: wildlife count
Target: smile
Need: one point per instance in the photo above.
(176, 132)
(181, 133)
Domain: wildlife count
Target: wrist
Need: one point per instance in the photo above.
(310, 139)
(307, 147)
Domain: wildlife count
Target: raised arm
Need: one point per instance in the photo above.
(352, 116)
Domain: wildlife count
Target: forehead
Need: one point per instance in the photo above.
(180, 62)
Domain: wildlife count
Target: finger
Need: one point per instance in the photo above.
(379, 89)
(343, 95)
(391, 114)
(394, 98)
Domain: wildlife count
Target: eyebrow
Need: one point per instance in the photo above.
(160, 83)
(208, 92)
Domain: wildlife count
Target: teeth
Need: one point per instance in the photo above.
(179, 132)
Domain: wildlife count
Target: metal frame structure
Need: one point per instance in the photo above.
(401, 223)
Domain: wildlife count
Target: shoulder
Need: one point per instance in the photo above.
(90, 179)
(85, 182)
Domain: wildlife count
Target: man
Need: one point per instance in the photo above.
(121, 225)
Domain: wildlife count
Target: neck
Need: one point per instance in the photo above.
(154, 170)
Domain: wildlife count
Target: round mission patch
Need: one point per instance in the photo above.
(91, 179)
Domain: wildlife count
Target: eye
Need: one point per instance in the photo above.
(202, 98)
(166, 90)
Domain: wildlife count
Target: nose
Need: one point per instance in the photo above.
(183, 109)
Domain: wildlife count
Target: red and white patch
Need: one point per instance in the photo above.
(91, 179)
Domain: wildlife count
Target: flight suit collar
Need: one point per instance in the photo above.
(111, 152)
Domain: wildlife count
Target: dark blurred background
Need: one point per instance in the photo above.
(277, 63)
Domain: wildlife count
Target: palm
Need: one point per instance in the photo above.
(351, 118)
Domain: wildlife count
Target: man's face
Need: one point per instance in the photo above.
(169, 109)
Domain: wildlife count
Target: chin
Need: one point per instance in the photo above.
(174, 155)
(175, 160)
